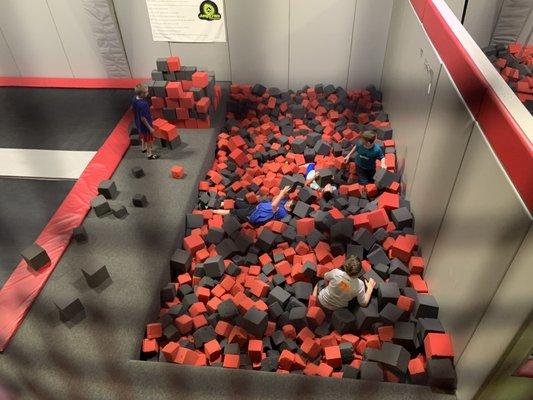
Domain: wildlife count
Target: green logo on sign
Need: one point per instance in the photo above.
(209, 11)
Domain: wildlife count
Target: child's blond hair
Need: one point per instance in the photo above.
(140, 88)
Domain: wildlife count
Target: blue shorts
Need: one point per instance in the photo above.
(310, 167)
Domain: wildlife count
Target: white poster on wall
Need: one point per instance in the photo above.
(187, 20)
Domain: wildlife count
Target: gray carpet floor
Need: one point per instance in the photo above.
(26, 207)
(97, 357)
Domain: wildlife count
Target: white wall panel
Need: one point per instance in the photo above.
(213, 56)
(506, 314)
(140, 48)
(449, 127)
(482, 230)
(457, 7)
(77, 37)
(480, 19)
(8, 67)
(32, 37)
(319, 42)
(405, 86)
(259, 52)
(370, 33)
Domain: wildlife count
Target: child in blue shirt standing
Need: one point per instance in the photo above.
(143, 120)
(367, 154)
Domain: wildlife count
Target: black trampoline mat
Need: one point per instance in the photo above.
(60, 119)
(26, 206)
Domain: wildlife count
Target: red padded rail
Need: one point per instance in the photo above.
(82, 83)
(508, 140)
(24, 284)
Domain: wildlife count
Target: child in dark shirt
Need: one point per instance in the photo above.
(143, 120)
(365, 160)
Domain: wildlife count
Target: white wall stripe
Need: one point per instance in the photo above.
(43, 164)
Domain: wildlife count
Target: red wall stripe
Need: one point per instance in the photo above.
(24, 284)
(420, 7)
(82, 83)
(508, 140)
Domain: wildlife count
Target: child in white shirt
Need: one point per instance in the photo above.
(343, 286)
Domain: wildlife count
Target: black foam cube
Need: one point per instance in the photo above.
(269, 364)
(366, 316)
(255, 322)
(370, 371)
(68, 307)
(402, 218)
(214, 267)
(119, 211)
(297, 317)
(139, 200)
(301, 210)
(391, 313)
(322, 148)
(441, 373)
(100, 205)
(378, 256)
(426, 307)
(79, 234)
(350, 372)
(278, 295)
(137, 172)
(347, 353)
(393, 356)
(364, 238)
(227, 248)
(343, 320)
(203, 335)
(180, 262)
(426, 325)
(95, 275)
(214, 235)
(108, 189)
(298, 146)
(194, 221)
(397, 267)
(274, 311)
(383, 178)
(405, 335)
(35, 256)
(341, 230)
(266, 239)
(302, 290)
(168, 293)
(307, 195)
(388, 292)
(227, 310)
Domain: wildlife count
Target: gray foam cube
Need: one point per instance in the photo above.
(100, 205)
(95, 275)
(214, 267)
(108, 189)
(119, 211)
(68, 307)
(35, 256)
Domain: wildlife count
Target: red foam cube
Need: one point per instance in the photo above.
(200, 79)
(154, 331)
(438, 345)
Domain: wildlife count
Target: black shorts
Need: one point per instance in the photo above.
(365, 176)
(242, 210)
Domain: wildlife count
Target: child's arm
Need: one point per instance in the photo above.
(347, 158)
(383, 165)
(279, 197)
(366, 298)
(145, 122)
